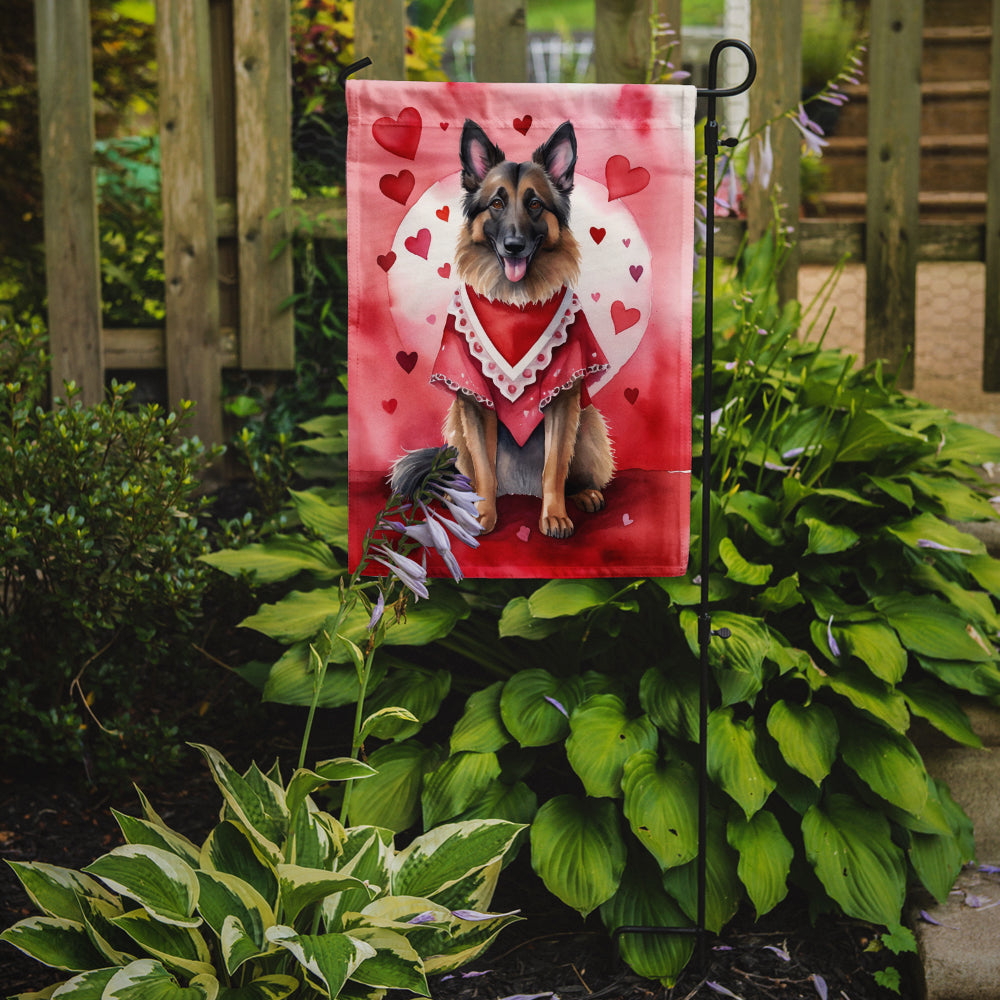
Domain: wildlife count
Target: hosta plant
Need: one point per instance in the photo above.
(279, 900)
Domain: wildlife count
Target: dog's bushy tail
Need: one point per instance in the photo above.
(410, 470)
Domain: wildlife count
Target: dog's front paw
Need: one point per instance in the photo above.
(590, 500)
(487, 516)
(556, 525)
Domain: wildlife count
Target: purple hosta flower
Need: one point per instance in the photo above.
(475, 915)
(812, 134)
(761, 163)
(727, 198)
(780, 952)
(408, 571)
(558, 705)
(427, 917)
(928, 543)
(834, 648)
(990, 869)
(719, 988)
(820, 984)
(377, 612)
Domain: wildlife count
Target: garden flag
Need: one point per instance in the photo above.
(520, 271)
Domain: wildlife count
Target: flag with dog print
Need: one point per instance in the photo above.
(520, 261)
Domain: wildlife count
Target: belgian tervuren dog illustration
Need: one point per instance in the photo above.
(517, 350)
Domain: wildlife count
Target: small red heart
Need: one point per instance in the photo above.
(406, 361)
(597, 234)
(627, 242)
(443, 213)
(632, 395)
(397, 186)
(623, 318)
(622, 178)
(389, 405)
(444, 126)
(523, 124)
(524, 532)
(386, 260)
(400, 135)
(445, 270)
(420, 244)
(636, 271)
(596, 296)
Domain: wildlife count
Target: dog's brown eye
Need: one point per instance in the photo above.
(534, 205)
(496, 204)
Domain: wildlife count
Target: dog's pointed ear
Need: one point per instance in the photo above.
(558, 156)
(478, 155)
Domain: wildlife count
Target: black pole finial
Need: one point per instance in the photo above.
(352, 68)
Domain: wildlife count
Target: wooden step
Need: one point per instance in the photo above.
(957, 206)
(956, 53)
(945, 12)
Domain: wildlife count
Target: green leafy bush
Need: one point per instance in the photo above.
(280, 899)
(101, 584)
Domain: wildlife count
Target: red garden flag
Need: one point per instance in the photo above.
(520, 275)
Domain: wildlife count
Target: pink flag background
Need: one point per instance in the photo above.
(632, 211)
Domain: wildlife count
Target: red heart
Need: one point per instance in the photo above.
(636, 271)
(621, 317)
(444, 126)
(389, 405)
(419, 244)
(622, 178)
(632, 395)
(386, 260)
(407, 361)
(597, 234)
(399, 136)
(443, 213)
(397, 186)
(444, 270)
(523, 124)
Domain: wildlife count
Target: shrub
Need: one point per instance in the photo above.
(99, 540)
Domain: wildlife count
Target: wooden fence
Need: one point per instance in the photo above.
(226, 161)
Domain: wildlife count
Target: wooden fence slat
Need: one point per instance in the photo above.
(621, 40)
(501, 41)
(776, 36)
(380, 34)
(991, 331)
(72, 256)
(190, 253)
(893, 184)
(261, 57)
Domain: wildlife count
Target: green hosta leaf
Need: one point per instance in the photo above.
(304, 782)
(661, 798)
(147, 979)
(957, 501)
(732, 760)
(180, 948)
(941, 709)
(417, 690)
(330, 959)
(965, 443)
(274, 987)
(828, 539)
(683, 592)
(561, 598)
(456, 784)
(723, 889)
(975, 605)
(928, 528)
(888, 763)
(292, 680)
(301, 887)
(765, 858)
(866, 692)
(986, 572)
(931, 628)
(391, 798)
(807, 736)
(602, 738)
(641, 901)
(56, 891)
(758, 511)
(671, 700)
(230, 849)
(516, 803)
(739, 569)
(54, 941)
(893, 488)
(517, 620)
(850, 848)
(578, 851)
(395, 964)
(159, 881)
(876, 646)
(327, 520)
(937, 859)
(738, 661)
(783, 595)
(530, 706)
(387, 723)
(440, 858)
(279, 558)
(870, 436)
(226, 898)
(976, 678)
(141, 831)
(481, 728)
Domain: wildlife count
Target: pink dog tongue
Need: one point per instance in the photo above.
(515, 268)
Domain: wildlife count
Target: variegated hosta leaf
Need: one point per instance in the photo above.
(158, 880)
(807, 736)
(141, 831)
(888, 763)
(147, 979)
(304, 782)
(177, 947)
(329, 959)
(54, 941)
(315, 838)
(395, 964)
(642, 902)
(765, 858)
(467, 940)
(98, 915)
(256, 801)
(850, 847)
(481, 727)
(391, 799)
(732, 760)
(225, 897)
(274, 987)
(86, 986)
(230, 849)
(456, 784)
(661, 805)
(56, 891)
(535, 706)
(602, 737)
(441, 857)
(300, 887)
(476, 890)
(578, 851)
(367, 853)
